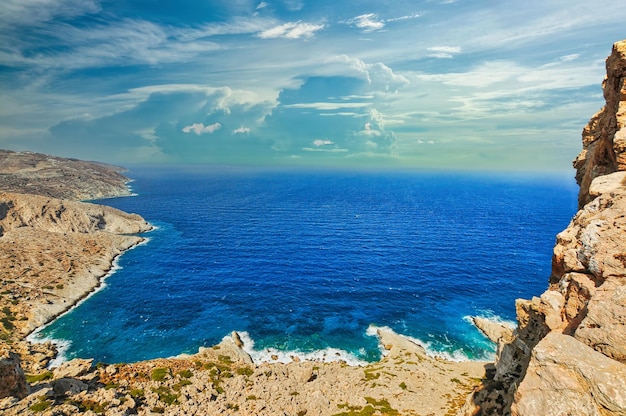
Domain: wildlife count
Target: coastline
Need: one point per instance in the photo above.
(62, 252)
(75, 303)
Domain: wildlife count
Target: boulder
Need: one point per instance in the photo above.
(566, 377)
(12, 378)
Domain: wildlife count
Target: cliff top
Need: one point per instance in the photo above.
(40, 174)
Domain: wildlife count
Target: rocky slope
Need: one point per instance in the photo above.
(35, 173)
(224, 380)
(53, 252)
(568, 354)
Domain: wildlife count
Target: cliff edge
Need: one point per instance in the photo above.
(568, 353)
(53, 252)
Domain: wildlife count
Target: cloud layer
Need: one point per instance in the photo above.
(435, 85)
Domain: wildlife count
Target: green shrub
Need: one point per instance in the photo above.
(159, 374)
(137, 393)
(245, 371)
(166, 395)
(36, 378)
(186, 374)
(41, 405)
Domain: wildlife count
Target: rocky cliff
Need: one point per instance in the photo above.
(35, 173)
(53, 252)
(568, 354)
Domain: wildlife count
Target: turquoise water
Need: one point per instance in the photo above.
(304, 262)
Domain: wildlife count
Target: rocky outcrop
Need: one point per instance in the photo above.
(53, 252)
(224, 380)
(35, 173)
(12, 376)
(568, 353)
(604, 138)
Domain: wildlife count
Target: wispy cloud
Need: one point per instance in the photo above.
(406, 17)
(200, 128)
(34, 12)
(291, 30)
(327, 106)
(444, 51)
(367, 22)
(242, 130)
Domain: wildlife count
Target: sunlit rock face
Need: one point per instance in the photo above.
(604, 138)
(568, 353)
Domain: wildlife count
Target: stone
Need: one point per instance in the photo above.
(566, 377)
(12, 378)
(604, 326)
(493, 330)
(68, 386)
(73, 368)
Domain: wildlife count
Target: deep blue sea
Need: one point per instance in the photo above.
(304, 262)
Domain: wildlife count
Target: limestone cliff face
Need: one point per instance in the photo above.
(568, 354)
(53, 252)
(604, 138)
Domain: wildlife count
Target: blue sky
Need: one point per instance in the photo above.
(397, 84)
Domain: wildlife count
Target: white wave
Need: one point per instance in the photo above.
(62, 345)
(457, 355)
(273, 355)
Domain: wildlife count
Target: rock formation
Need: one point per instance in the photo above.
(53, 252)
(604, 138)
(39, 174)
(568, 354)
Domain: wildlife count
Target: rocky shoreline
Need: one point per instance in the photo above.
(58, 250)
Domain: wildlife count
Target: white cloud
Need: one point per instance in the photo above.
(369, 131)
(242, 130)
(200, 128)
(262, 5)
(327, 106)
(571, 57)
(407, 17)
(322, 142)
(329, 150)
(444, 51)
(368, 22)
(378, 75)
(291, 30)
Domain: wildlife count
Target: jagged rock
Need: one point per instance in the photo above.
(68, 386)
(495, 331)
(578, 326)
(604, 143)
(566, 377)
(604, 326)
(12, 378)
(73, 368)
(551, 307)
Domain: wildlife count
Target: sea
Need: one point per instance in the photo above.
(308, 263)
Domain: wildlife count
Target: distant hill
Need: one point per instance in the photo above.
(57, 177)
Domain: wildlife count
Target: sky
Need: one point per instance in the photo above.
(439, 84)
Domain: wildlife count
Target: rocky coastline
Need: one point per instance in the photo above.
(567, 355)
(57, 250)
